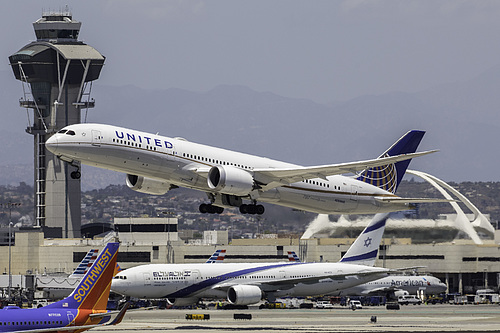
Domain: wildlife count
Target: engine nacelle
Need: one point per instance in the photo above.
(182, 301)
(147, 185)
(230, 180)
(244, 294)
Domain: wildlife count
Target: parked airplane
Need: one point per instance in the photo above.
(397, 285)
(248, 283)
(83, 309)
(394, 284)
(155, 164)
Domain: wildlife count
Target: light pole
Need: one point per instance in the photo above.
(9, 205)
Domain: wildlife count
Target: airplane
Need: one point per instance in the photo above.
(83, 309)
(397, 285)
(155, 164)
(248, 283)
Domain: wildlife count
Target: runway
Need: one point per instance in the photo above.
(412, 318)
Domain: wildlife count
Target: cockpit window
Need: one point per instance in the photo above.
(62, 131)
(70, 132)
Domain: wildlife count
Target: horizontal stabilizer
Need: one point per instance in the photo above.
(411, 200)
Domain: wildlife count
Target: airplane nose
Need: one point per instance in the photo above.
(51, 144)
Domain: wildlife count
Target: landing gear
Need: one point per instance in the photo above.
(210, 209)
(252, 209)
(76, 174)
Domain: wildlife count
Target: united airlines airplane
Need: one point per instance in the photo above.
(248, 283)
(155, 164)
(83, 309)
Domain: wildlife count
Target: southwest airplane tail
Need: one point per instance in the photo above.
(83, 309)
(388, 177)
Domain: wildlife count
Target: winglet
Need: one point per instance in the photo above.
(364, 250)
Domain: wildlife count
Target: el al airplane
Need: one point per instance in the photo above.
(155, 164)
(83, 309)
(248, 283)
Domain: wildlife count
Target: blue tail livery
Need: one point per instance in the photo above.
(389, 176)
(83, 309)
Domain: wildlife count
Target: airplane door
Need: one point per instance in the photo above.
(71, 318)
(147, 278)
(96, 138)
(354, 197)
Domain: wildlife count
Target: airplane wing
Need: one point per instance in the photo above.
(272, 178)
(286, 283)
(115, 321)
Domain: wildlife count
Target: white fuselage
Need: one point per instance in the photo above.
(185, 164)
(194, 281)
(412, 284)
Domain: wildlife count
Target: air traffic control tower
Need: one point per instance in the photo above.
(56, 72)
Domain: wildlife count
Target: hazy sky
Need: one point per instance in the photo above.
(320, 50)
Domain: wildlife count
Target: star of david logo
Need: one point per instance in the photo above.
(368, 242)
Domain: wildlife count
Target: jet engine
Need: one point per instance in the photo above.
(244, 294)
(182, 301)
(230, 180)
(147, 185)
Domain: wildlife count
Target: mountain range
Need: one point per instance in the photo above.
(461, 120)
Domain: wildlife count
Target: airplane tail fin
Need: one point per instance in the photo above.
(85, 264)
(364, 250)
(389, 176)
(218, 256)
(93, 290)
(292, 256)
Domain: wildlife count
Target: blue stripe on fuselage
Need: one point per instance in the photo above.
(197, 287)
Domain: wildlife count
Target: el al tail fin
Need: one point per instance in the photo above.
(93, 290)
(389, 176)
(364, 250)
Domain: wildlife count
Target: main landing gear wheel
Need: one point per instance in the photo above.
(210, 209)
(252, 209)
(76, 174)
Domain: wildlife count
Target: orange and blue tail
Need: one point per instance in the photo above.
(93, 290)
(389, 176)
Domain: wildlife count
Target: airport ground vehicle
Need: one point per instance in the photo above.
(409, 299)
(355, 305)
(324, 305)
